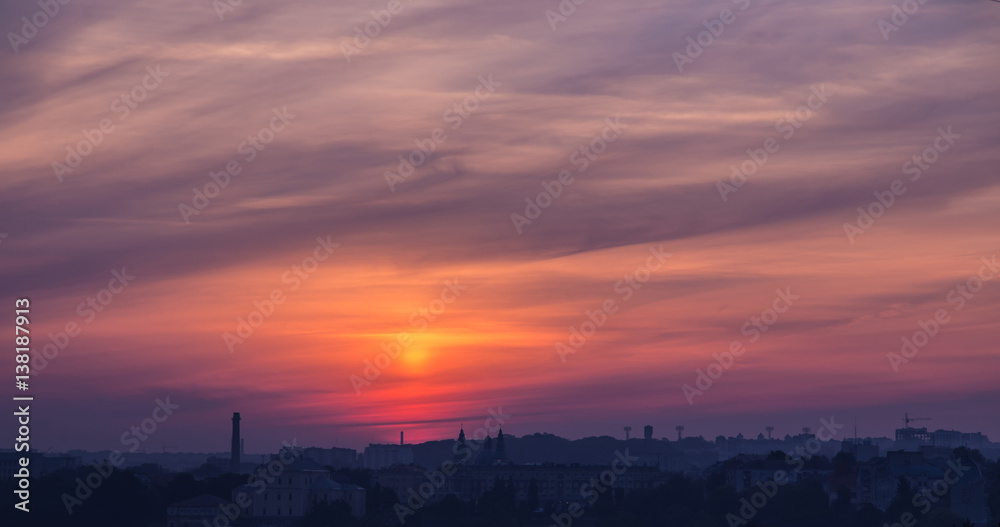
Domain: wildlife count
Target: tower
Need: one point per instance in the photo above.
(628, 429)
(234, 459)
(647, 432)
(460, 448)
(401, 438)
(679, 430)
(769, 430)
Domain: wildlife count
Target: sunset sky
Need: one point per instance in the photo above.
(351, 107)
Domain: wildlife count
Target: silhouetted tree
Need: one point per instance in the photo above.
(532, 499)
(970, 454)
(389, 499)
(902, 502)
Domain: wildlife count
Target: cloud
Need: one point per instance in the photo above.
(325, 175)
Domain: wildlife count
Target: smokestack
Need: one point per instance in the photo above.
(400, 438)
(234, 460)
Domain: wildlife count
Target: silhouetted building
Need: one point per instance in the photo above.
(460, 449)
(501, 453)
(332, 457)
(41, 464)
(745, 472)
(488, 455)
(862, 449)
(400, 479)
(556, 484)
(485, 456)
(966, 492)
(302, 485)
(384, 456)
(913, 435)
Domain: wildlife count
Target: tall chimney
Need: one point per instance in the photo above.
(400, 438)
(234, 460)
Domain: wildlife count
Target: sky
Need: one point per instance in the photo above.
(579, 160)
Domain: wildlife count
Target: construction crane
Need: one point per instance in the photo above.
(907, 419)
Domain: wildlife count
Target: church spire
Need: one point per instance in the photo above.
(461, 450)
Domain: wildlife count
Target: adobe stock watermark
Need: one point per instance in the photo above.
(753, 328)
(769, 489)
(915, 168)
(455, 116)
(230, 511)
(581, 158)
(222, 7)
(122, 106)
(958, 295)
(713, 30)
(135, 436)
(88, 309)
(293, 277)
(418, 498)
(566, 9)
(932, 493)
(420, 320)
(255, 143)
(625, 288)
(900, 16)
(592, 490)
(786, 127)
(29, 28)
(372, 29)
